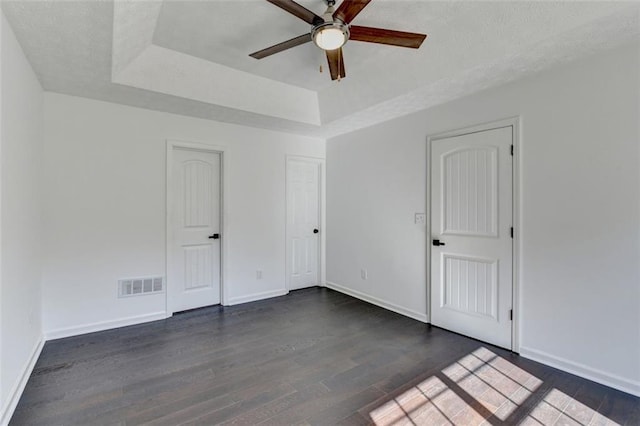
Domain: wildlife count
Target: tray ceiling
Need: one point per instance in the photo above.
(191, 57)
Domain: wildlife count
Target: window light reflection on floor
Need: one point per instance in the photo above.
(558, 408)
(497, 384)
(494, 386)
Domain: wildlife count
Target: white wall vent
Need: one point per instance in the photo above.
(139, 286)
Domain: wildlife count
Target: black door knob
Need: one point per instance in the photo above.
(315, 231)
(214, 236)
(437, 243)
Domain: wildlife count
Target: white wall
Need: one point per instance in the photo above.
(20, 219)
(580, 211)
(105, 208)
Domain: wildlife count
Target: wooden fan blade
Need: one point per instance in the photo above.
(336, 64)
(276, 48)
(300, 11)
(382, 36)
(349, 9)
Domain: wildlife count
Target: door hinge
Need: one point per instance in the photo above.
(512, 232)
(511, 149)
(511, 314)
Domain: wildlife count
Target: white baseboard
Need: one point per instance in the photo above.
(422, 317)
(103, 325)
(18, 387)
(607, 379)
(256, 296)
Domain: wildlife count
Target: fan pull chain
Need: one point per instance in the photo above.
(339, 62)
(320, 68)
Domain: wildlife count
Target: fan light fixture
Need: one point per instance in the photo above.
(330, 35)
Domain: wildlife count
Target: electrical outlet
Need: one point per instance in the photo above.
(364, 274)
(420, 219)
(258, 274)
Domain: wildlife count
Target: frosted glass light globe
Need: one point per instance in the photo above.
(329, 38)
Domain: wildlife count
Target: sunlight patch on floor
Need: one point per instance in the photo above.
(494, 382)
(559, 408)
(479, 388)
(429, 403)
(492, 386)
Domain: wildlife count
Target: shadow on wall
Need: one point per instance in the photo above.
(484, 389)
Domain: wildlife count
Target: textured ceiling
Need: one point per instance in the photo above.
(191, 57)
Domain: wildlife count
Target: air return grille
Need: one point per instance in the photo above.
(140, 286)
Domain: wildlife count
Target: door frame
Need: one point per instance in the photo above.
(172, 145)
(320, 162)
(514, 123)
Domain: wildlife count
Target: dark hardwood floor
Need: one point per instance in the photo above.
(313, 357)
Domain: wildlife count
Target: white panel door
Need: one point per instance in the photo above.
(194, 279)
(303, 223)
(472, 247)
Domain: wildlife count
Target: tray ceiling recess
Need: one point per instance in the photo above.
(192, 57)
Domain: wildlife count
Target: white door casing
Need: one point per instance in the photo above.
(471, 215)
(303, 182)
(194, 252)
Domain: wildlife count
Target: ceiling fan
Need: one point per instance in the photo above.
(332, 30)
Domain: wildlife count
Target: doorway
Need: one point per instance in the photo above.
(194, 231)
(471, 226)
(304, 233)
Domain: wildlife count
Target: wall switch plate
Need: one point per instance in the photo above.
(420, 219)
(258, 274)
(364, 274)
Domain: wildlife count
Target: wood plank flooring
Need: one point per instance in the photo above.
(313, 357)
